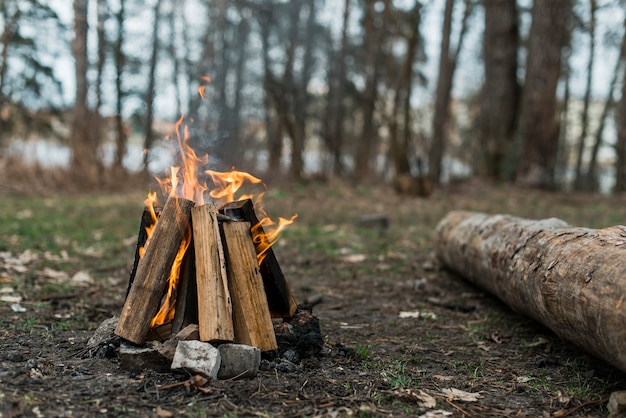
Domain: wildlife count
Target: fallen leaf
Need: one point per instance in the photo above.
(440, 413)
(16, 307)
(82, 278)
(460, 395)
(523, 379)
(417, 314)
(11, 298)
(423, 399)
(354, 258)
(443, 378)
(162, 413)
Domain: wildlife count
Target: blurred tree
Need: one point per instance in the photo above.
(119, 59)
(400, 138)
(620, 145)
(500, 93)
(539, 124)
(372, 50)
(592, 176)
(84, 138)
(336, 80)
(447, 66)
(150, 91)
(27, 78)
(579, 181)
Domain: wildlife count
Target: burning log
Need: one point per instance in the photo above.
(214, 303)
(251, 316)
(280, 300)
(153, 271)
(186, 312)
(568, 278)
(146, 222)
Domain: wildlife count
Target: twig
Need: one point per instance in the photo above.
(570, 411)
(458, 408)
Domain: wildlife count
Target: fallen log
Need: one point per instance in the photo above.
(570, 279)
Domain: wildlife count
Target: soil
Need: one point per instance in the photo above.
(402, 336)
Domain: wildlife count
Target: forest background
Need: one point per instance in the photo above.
(515, 92)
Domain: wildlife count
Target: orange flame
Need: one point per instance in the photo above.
(228, 183)
(184, 182)
(263, 240)
(167, 310)
(202, 88)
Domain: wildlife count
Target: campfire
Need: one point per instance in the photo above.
(206, 262)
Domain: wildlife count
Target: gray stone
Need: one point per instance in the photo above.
(147, 357)
(197, 357)
(617, 404)
(238, 360)
(104, 332)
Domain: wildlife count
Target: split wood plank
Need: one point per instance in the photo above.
(142, 237)
(153, 269)
(251, 317)
(281, 301)
(186, 310)
(214, 301)
(570, 279)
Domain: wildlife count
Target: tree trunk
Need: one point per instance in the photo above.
(373, 43)
(569, 279)
(10, 21)
(150, 92)
(400, 140)
(336, 120)
(539, 123)
(500, 93)
(579, 183)
(84, 161)
(591, 175)
(301, 96)
(447, 66)
(620, 145)
(119, 58)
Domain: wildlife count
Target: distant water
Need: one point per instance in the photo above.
(51, 154)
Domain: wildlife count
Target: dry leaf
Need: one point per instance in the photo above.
(423, 399)
(460, 395)
(162, 413)
(440, 413)
(442, 378)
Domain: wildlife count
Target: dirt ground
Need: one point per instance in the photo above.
(403, 336)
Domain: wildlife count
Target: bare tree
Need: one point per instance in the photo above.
(591, 175)
(447, 66)
(119, 60)
(539, 124)
(372, 45)
(500, 93)
(400, 138)
(335, 108)
(83, 137)
(150, 91)
(579, 183)
(620, 145)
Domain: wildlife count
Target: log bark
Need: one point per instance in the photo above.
(251, 316)
(570, 279)
(153, 270)
(214, 303)
(281, 301)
